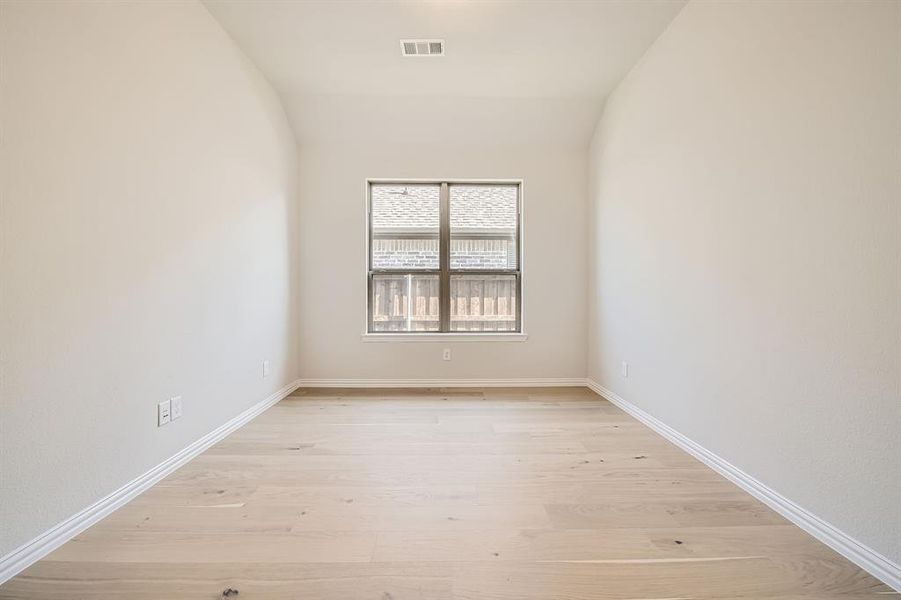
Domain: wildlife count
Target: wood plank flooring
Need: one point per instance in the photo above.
(483, 494)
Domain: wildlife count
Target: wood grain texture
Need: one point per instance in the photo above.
(481, 494)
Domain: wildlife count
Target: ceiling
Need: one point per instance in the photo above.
(520, 59)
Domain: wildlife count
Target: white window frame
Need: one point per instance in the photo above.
(445, 271)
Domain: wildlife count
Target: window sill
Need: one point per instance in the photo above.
(444, 337)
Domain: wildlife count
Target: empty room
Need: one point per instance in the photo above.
(450, 299)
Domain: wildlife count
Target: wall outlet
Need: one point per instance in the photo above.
(446, 355)
(625, 369)
(265, 369)
(176, 407)
(163, 413)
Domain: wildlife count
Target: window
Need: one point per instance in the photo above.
(444, 257)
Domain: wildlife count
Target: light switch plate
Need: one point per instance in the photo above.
(175, 407)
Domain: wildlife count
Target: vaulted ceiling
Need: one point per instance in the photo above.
(514, 71)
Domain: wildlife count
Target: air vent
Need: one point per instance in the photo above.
(422, 47)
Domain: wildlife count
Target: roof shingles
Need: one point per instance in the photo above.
(473, 207)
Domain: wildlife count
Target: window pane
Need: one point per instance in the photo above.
(405, 226)
(483, 226)
(483, 302)
(404, 302)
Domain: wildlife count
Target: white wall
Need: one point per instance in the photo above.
(333, 261)
(746, 253)
(148, 181)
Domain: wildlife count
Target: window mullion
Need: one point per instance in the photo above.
(444, 259)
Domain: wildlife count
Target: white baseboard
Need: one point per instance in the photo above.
(866, 558)
(30, 552)
(443, 383)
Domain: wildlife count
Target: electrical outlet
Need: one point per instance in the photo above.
(163, 413)
(446, 355)
(176, 407)
(265, 369)
(625, 369)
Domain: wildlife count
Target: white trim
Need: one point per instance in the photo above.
(30, 552)
(444, 337)
(868, 559)
(443, 383)
(463, 180)
(863, 556)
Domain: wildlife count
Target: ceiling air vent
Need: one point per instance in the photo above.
(422, 47)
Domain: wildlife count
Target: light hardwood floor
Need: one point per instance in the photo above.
(494, 494)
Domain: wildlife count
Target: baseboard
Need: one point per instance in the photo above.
(442, 383)
(30, 552)
(866, 558)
